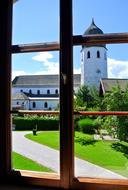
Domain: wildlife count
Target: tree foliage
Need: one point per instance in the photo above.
(86, 98)
(117, 100)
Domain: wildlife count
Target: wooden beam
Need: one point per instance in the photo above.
(66, 95)
(42, 112)
(96, 39)
(5, 86)
(37, 47)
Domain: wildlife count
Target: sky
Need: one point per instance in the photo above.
(36, 21)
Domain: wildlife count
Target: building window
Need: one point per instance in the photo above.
(45, 104)
(34, 104)
(56, 91)
(30, 91)
(88, 55)
(38, 92)
(98, 54)
(48, 91)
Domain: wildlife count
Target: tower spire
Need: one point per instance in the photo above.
(93, 21)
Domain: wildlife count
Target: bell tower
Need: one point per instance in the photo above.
(93, 60)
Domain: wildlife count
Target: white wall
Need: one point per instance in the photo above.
(34, 90)
(91, 66)
(40, 104)
(23, 103)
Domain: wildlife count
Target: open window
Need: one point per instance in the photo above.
(66, 177)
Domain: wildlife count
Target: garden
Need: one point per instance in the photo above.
(101, 140)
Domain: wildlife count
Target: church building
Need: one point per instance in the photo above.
(41, 92)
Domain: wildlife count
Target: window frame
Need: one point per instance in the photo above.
(67, 41)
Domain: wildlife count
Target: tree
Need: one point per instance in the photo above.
(87, 98)
(83, 96)
(117, 100)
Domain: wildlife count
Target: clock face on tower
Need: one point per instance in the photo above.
(98, 71)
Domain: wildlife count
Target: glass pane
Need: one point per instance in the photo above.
(101, 142)
(106, 15)
(35, 87)
(35, 22)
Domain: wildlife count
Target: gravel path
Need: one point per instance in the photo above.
(50, 158)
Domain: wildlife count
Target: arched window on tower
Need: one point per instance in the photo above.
(45, 104)
(88, 55)
(98, 54)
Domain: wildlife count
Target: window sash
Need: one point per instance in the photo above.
(67, 41)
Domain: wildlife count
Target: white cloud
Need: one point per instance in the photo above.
(117, 68)
(43, 57)
(50, 66)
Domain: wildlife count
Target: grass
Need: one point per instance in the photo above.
(50, 138)
(108, 154)
(23, 163)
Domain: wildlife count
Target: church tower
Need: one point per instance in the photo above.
(93, 60)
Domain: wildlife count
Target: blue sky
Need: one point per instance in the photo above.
(38, 21)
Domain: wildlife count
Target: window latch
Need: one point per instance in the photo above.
(64, 76)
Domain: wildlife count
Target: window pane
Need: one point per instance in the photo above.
(35, 22)
(101, 142)
(106, 15)
(35, 137)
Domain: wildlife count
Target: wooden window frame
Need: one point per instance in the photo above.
(67, 41)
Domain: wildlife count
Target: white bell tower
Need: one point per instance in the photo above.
(93, 60)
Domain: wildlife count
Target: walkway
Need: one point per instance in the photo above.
(50, 158)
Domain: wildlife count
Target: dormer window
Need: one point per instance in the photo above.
(88, 55)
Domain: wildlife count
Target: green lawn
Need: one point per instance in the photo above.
(23, 163)
(108, 154)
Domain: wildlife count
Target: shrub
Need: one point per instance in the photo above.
(86, 126)
(30, 122)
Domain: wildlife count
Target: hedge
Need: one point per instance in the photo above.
(42, 123)
(87, 126)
